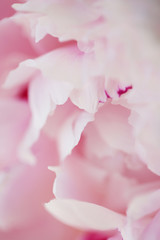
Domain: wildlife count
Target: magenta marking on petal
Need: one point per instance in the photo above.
(123, 91)
(95, 236)
(107, 94)
(23, 95)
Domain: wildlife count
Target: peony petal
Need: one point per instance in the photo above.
(84, 215)
(80, 180)
(44, 226)
(71, 131)
(143, 205)
(152, 230)
(66, 126)
(17, 76)
(112, 124)
(14, 122)
(24, 189)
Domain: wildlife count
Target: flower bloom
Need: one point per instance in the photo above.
(79, 122)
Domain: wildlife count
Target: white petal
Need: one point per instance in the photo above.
(84, 215)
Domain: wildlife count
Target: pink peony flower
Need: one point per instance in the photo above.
(79, 122)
